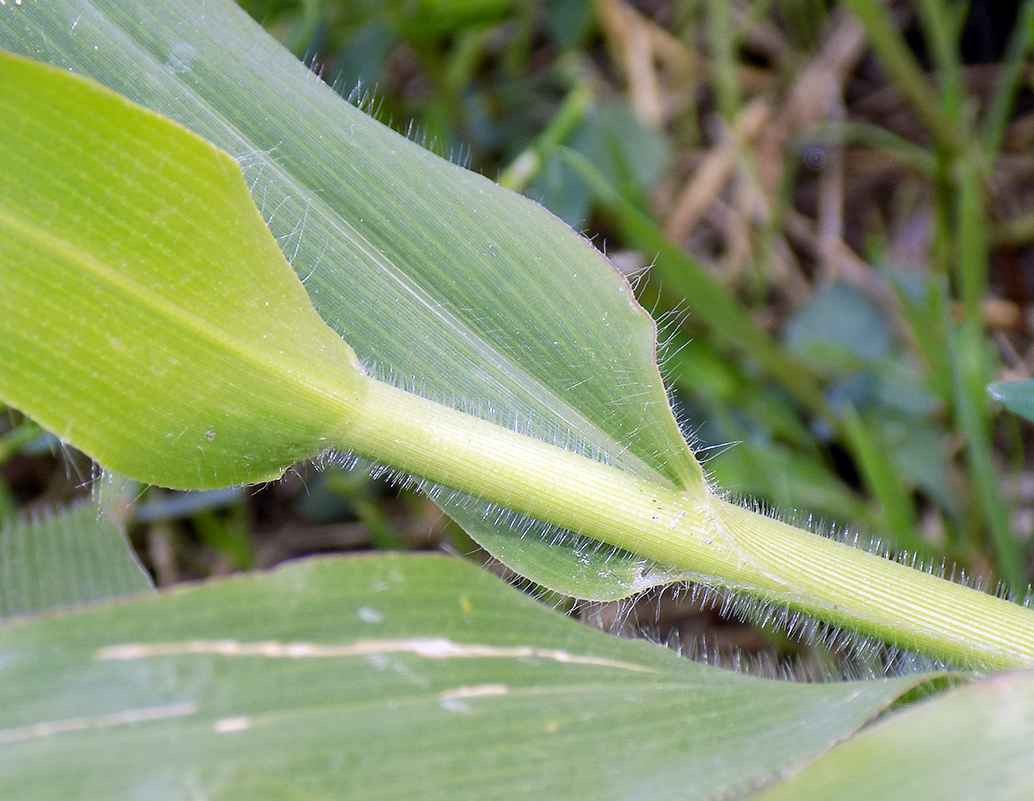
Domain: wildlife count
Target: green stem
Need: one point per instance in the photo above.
(966, 348)
(886, 483)
(1003, 97)
(690, 529)
(890, 45)
(722, 42)
(565, 122)
(942, 39)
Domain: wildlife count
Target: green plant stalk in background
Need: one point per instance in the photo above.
(961, 249)
(123, 290)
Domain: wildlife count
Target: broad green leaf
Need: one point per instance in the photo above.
(169, 348)
(976, 741)
(438, 278)
(67, 557)
(839, 318)
(1016, 396)
(387, 677)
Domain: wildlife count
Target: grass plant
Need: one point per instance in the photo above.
(511, 377)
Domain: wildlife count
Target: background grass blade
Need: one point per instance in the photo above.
(901, 64)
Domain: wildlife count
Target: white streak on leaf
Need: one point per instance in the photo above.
(428, 648)
(124, 718)
(455, 699)
(475, 691)
(230, 725)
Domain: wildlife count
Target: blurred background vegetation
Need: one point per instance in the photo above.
(828, 207)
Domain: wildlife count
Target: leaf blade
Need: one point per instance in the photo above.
(333, 674)
(131, 326)
(304, 149)
(971, 742)
(1016, 396)
(68, 557)
(442, 281)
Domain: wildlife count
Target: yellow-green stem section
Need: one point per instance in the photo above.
(689, 529)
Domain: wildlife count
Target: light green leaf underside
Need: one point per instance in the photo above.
(457, 288)
(381, 677)
(68, 557)
(973, 742)
(1016, 396)
(171, 349)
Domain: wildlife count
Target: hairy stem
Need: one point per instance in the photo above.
(690, 529)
